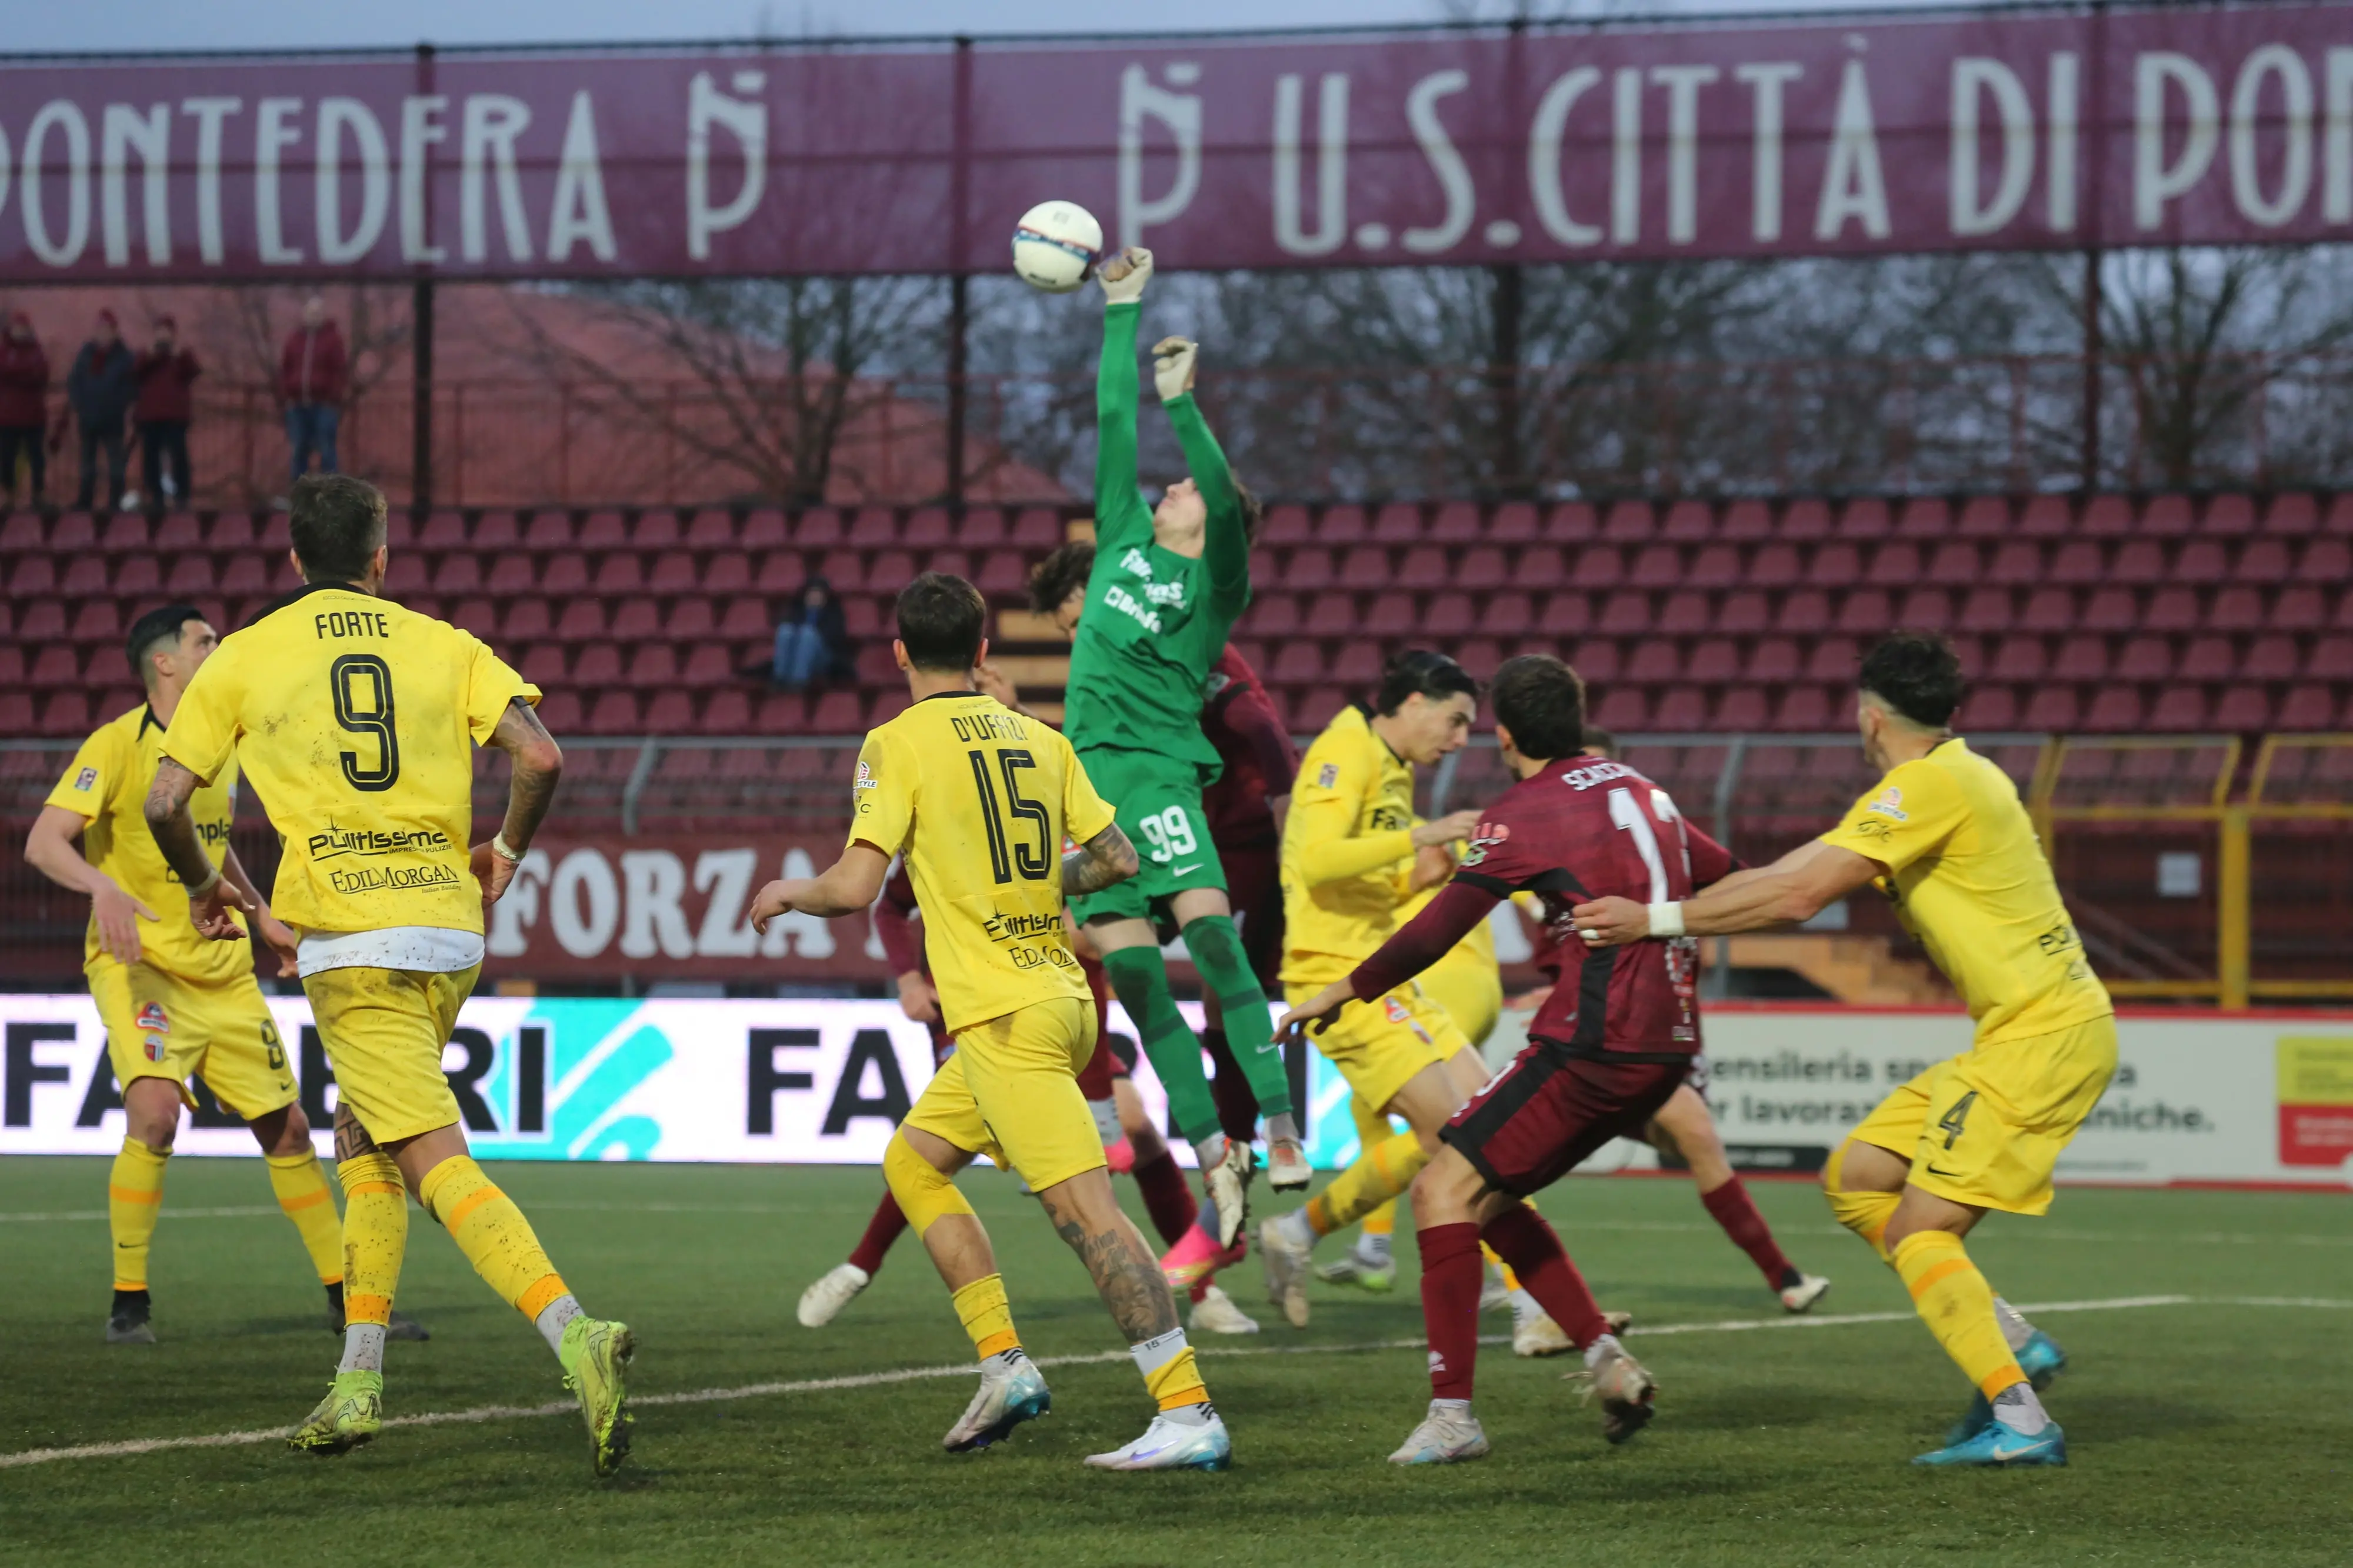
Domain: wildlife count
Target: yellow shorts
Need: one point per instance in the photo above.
(1379, 1046)
(1469, 991)
(384, 1030)
(161, 1026)
(1986, 1127)
(1011, 1092)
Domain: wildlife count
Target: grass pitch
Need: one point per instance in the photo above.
(2204, 1431)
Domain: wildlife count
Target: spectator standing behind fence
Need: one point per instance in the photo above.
(99, 390)
(24, 405)
(814, 644)
(313, 372)
(166, 371)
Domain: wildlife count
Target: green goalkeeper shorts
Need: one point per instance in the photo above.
(1159, 799)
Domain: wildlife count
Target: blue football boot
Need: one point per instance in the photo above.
(1999, 1444)
(2039, 1358)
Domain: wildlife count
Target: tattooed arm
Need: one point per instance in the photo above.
(1105, 858)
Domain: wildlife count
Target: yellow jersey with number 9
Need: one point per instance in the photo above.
(1969, 880)
(107, 784)
(355, 721)
(979, 799)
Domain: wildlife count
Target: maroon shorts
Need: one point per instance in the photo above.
(1254, 889)
(1547, 1113)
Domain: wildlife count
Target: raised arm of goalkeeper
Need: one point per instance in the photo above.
(1226, 536)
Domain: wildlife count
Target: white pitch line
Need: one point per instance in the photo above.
(964, 1369)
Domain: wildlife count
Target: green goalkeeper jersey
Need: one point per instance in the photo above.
(1155, 621)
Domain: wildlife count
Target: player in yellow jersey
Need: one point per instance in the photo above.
(174, 1005)
(358, 721)
(1349, 852)
(980, 800)
(1945, 835)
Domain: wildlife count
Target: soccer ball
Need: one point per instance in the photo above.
(1054, 246)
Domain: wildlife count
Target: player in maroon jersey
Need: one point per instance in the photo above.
(1605, 1051)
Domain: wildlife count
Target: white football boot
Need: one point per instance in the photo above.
(1287, 1170)
(1801, 1297)
(1167, 1445)
(1288, 1264)
(1446, 1436)
(823, 1301)
(1535, 1334)
(1012, 1389)
(1228, 1180)
(1215, 1313)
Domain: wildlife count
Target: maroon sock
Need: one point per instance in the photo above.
(1736, 1212)
(1166, 1198)
(1521, 1238)
(881, 1232)
(1237, 1106)
(1452, 1277)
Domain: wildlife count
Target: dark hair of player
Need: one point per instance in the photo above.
(942, 620)
(151, 631)
(1542, 702)
(1418, 669)
(1253, 510)
(1600, 743)
(1058, 576)
(337, 525)
(1918, 674)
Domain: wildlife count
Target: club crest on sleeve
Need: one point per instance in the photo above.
(1328, 777)
(1486, 837)
(1890, 802)
(86, 780)
(865, 779)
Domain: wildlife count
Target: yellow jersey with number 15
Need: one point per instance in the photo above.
(979, 799)
(355, 719)
(1969, 880)
(107, 786)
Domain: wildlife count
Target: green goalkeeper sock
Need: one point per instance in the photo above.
(1217, 950)
(1140, 980)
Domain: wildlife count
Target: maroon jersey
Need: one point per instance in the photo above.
(1239, 718)
(1582, 829)
(893, 915)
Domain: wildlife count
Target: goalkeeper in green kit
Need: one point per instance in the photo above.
(1167, 584)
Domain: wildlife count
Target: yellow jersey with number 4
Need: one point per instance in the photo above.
(979, 799)
(356, 721)
(107, 786)
(1970, 882)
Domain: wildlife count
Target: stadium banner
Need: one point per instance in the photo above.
(672, 907)
(2229, 1101)
(1999, 131)
(2198, 1098)
(687, 1078)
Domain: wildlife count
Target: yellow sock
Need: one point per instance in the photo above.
(1865, 1214)
(1955, 1301)
(134, 1196)
(376, 1235)
(1380, 1174)
(1382, 1221)
(301, 1189)
(1169, 1376)
(492, 1234)
(988, 1316)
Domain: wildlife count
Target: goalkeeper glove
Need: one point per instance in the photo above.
(1172, 366)
(1133, 266)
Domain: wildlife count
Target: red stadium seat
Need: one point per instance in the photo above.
(1689, 522)
(2177, 708)
(179, 531)
(764, 529)
(2106, 517)
(614, 712)
(1742, 708)
(1622, 709)
(2114, 709)
(2024, 659)
(2227, 516)
(1626, 613)
(818, 528)
(1563, 614)
(511, 573)
(1273, 615)
(443, 530)
(1656, 566)
(2292, 512)
(872, 528)
(583, 621)
(1989, 708)
(2210, 658)
(1746, 522)
(544, 665)
(1287, 525)
(1309, 570)
(56, 665)
(1596, 658)
(1713, 661)
(1316, 710)
(1684, 614)
(2306, 708)
(745, 618)
(673, 572)
(1364, 568)
(21, 533)
(1984, 517)
(926, 528)
(65, 714)
(1359, 666)
(1457, 522)
(656, 528)
(1924, 517)
(2051, 707)
(2326, 561)
(1392, 614)
(191, 576)
(892, 570)
(691, 619)
(2078, 563)
(727, 572)
(1331, 615)
(1924, 609)
(1510, 615)
(604, 530)
(1629, 523)
(1804, 613)
(1834, 661)
(1681, 709)
(711, 528)
(404, 577)
(2198, 561)
(2144, 659)
(2269, 659)
(983, 528)
(1805, 520)
(2108, 610)
(1893, 565)
(1040, 527)
(836, 712)
(1296, 663)
(1805, 707)
(1570, 522)
(97, 620)
(1714, 566)
(1774, 660)
(1342, 525)
(1866, 611)
(622, 572)
(124, 532)
(477, 616)
(559, 710)
(2018, 563)
(2172, 610)
(781, 572)
(42, 621)
(2167, 516)
(1656, 662)
(2331, 659)
(1002, 575)
(75, 533)
(1835, 565)
(1957, 564)
(728, 711)
(564, 575)
(2264, 560)
(2241, 709)
(653, 665)
(1481, 568)
(634, 619)
(1744, 613)
(1777, 565)
(1865, 517)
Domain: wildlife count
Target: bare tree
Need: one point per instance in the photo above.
(780, 369)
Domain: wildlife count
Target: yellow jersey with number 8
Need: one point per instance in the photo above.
(355, 721)
(107, 784)
(1970, 882)
(980, 799)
